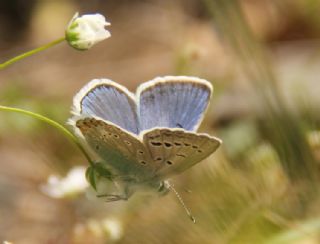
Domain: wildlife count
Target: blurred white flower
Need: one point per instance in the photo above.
(109, 228)
(95, 227)
(113, 227)
(313, 138)
(74, 183)
(85, 31)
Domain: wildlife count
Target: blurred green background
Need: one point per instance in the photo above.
(263, 58)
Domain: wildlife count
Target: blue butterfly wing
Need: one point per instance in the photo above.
(122, 151)
(173, 102)
(108, 100)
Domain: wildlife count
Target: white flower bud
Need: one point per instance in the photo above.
(85, 31)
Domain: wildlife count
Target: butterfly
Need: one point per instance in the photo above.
(143, 139)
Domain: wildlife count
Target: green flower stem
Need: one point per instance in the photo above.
(29, 53)
(53, 123)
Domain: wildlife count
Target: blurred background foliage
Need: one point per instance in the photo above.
(263, 58)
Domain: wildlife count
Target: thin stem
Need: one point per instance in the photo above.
(31, 52)
(53, 123)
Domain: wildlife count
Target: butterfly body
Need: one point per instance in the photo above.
(146, 138)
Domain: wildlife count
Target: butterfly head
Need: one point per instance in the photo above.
(163, 188)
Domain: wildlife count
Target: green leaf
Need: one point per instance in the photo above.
(91, 177)
(96, 171)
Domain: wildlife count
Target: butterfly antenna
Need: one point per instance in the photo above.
(182, 203)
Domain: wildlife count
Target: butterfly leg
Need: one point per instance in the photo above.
(122, 193)
(113, 197)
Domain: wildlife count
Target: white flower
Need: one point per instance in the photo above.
(74, 183)
(85, 31)
(113, 227)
